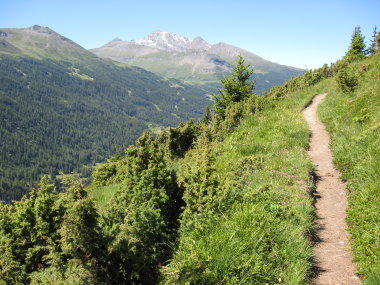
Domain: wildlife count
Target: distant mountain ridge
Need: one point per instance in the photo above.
(40, 42)
(193, 60)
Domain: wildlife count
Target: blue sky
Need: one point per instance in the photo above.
(297, 33)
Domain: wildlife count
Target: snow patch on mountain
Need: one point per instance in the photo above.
(172, 42)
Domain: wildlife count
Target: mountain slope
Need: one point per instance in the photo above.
(62, 106)
(247, 211)
(224, 201)
(249, 216)
(40, 42)
(193, 60)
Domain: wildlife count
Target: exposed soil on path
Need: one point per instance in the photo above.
(332, 250)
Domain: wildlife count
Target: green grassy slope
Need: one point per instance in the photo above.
(167, 65)
(248, 214)
(353, 119)
(248, 217)
(260, 235)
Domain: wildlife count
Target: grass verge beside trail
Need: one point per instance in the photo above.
(263, 235)
(353, 120)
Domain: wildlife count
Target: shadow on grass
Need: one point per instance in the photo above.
(314, 238)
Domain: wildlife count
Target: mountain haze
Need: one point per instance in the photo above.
(193, 60)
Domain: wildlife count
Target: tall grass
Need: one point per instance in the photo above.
(353, 119)
(264, 235)
(261, 235)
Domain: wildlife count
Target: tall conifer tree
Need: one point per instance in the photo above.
(372, 47)
(236, 87)
(357, 46)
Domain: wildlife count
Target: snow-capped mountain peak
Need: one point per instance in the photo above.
(172, 42)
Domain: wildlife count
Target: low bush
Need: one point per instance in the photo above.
(346, 82)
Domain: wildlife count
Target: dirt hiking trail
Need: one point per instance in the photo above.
(333, 254)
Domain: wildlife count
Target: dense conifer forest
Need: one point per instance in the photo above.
(61, 117)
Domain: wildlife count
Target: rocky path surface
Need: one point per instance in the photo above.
(332, 250)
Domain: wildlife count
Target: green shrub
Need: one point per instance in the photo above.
(141, 222)
(46, 237)
(180, 139)
(346, 82)
(105, 174)
(339, 65)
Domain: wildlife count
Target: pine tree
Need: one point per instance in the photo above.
(207, 118)
(357, 46)
(236, 87)
(372, 47)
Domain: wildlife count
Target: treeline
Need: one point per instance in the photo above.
(53, 120)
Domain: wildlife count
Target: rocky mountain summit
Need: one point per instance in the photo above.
(172, 42)
(193, 60)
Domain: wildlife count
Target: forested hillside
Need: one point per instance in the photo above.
(63, 108)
